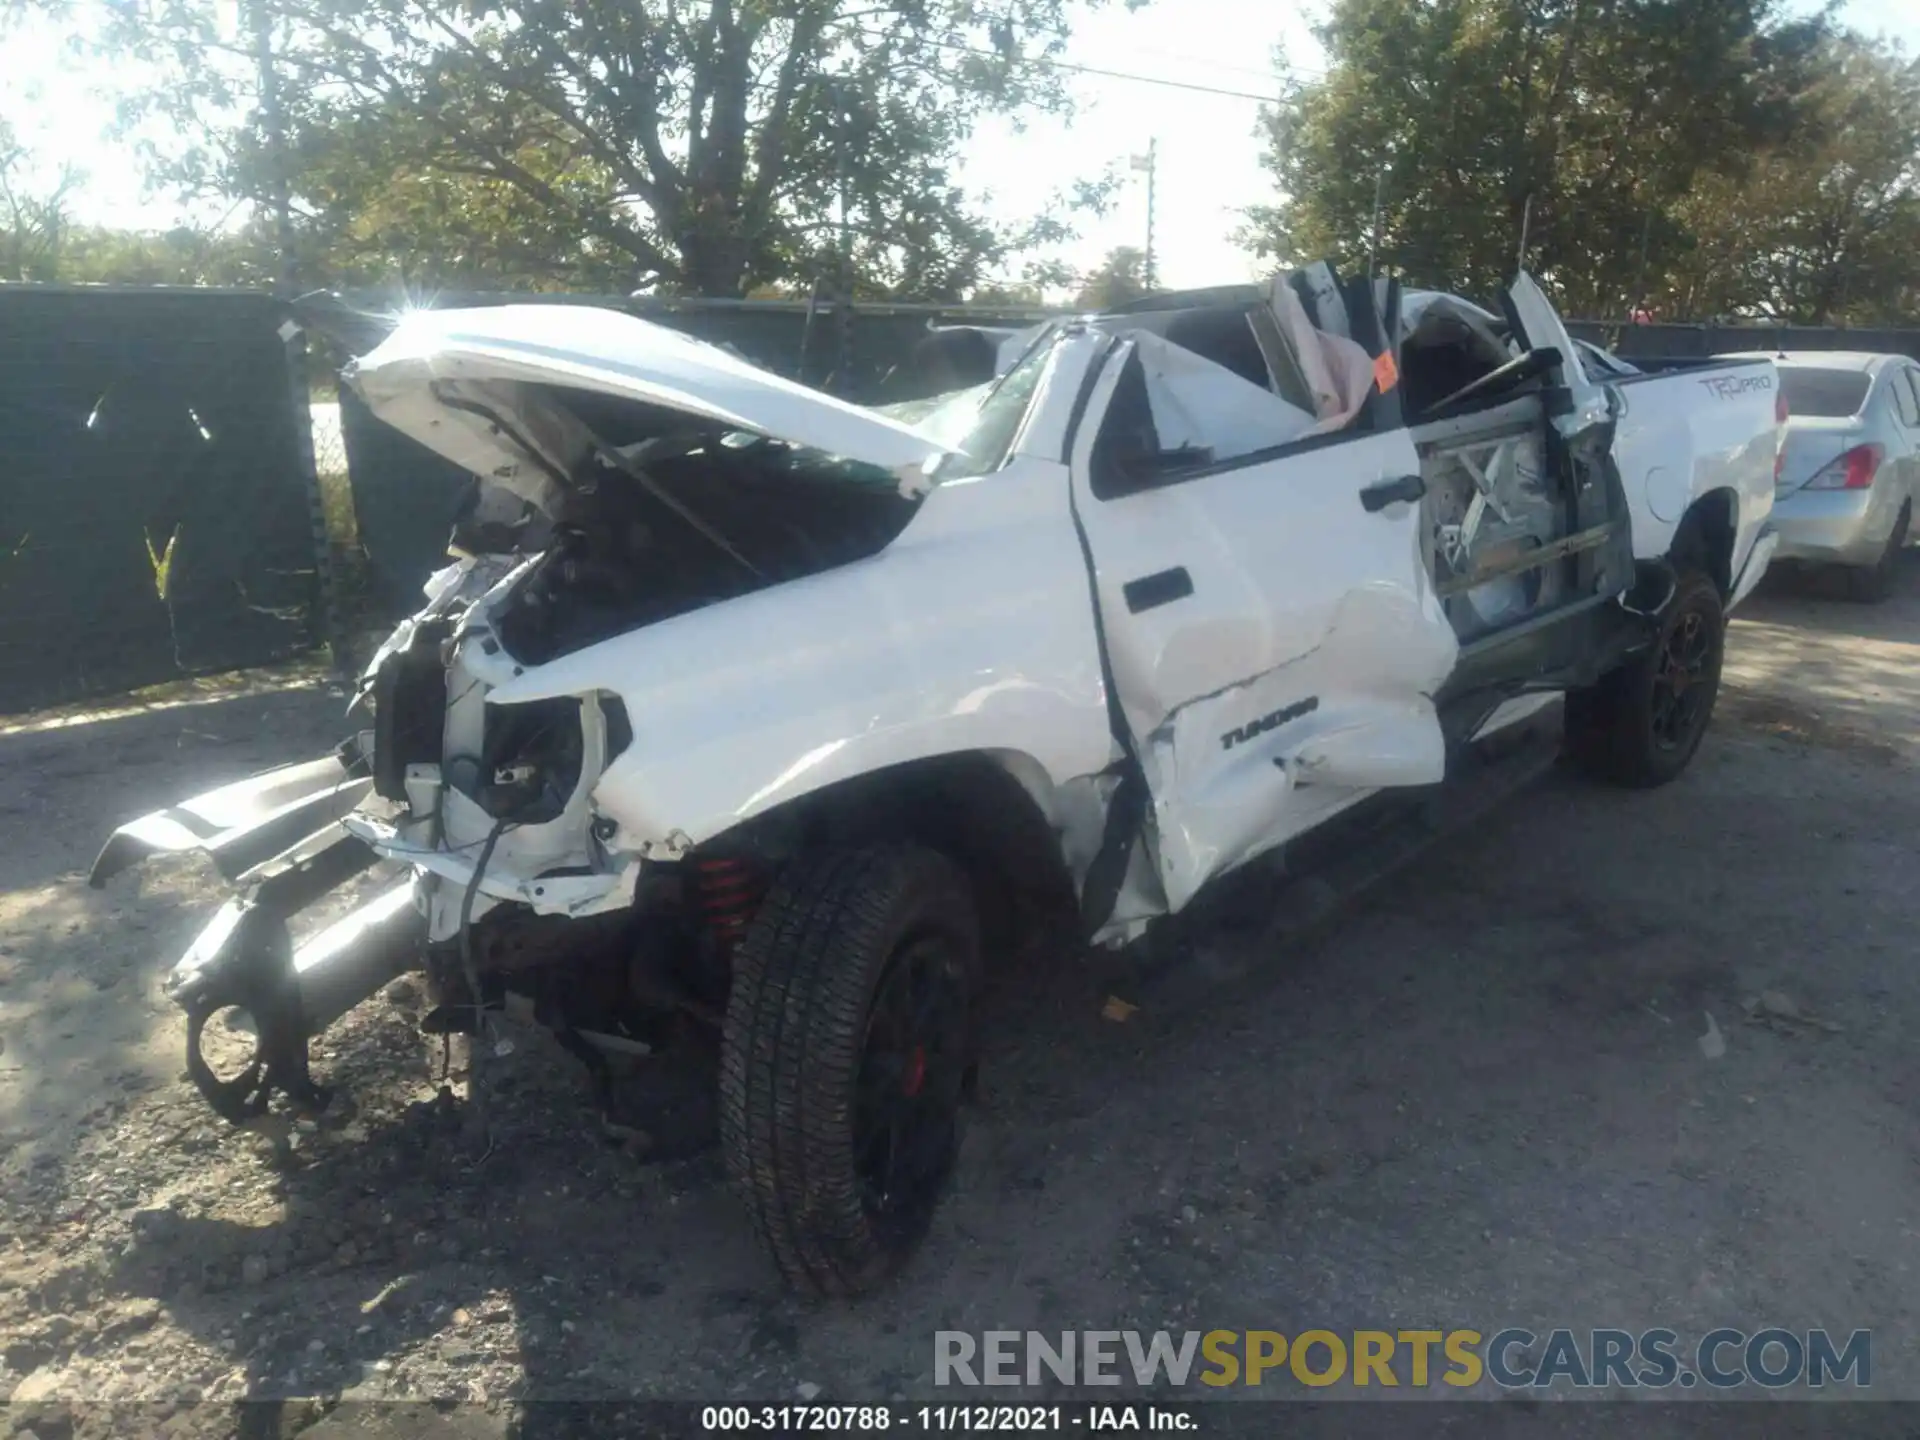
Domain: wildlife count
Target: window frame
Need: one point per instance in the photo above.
(1910, 374)
(1103, 491)
(1892, 381)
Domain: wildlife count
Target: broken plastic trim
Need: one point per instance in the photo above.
(245, 959)
(245, 824)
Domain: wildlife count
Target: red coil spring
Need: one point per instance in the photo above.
(726, 890)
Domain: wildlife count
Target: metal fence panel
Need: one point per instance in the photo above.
(154, 521)
(404, 497)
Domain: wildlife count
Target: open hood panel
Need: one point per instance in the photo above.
(447, 378)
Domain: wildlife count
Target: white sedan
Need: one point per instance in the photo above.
(1848, 465)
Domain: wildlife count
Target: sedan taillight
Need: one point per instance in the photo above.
(1852, 471)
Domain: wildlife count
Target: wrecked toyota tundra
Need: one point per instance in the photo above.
(747, 724)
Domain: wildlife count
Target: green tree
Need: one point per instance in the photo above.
(33, 213)
(1121, 277)
(1826, 226)
(183, 256)
(1008, 296)
(1586, 121)
(691, 146)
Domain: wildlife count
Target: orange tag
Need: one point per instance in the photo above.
(1386, 374)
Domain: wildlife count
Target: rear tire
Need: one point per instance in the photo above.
(1641, 724)
(847, 1042)
(1876, 582)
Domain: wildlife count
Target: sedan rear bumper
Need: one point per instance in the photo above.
(1834, 527)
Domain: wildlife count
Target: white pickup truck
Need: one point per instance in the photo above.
(747, 724)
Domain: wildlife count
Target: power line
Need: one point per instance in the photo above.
(1212, 63)
(1266, 99)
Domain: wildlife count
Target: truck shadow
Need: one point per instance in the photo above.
(1817, 601)
(87, 1034)
(1829, 673)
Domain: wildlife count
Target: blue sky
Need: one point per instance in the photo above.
(1208, 155)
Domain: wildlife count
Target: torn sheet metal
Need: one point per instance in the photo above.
(1202, 406)
(1490, 501)
(1542, 328)
(243, 824)
(436, 363)
(1338, 371)
(1428, 318)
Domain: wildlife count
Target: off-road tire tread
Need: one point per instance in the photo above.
(1608, 733)
(803, 977)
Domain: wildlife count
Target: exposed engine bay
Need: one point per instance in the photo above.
(653, 527)
(645, 515)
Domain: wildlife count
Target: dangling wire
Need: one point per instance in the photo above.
(476, 1095)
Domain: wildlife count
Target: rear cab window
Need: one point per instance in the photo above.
(1825, 393)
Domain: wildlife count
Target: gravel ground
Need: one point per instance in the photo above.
(1480, 1100)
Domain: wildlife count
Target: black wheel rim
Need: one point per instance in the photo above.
(907, 1096)
(1682, 680)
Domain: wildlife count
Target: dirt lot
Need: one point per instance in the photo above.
(1482, 1100)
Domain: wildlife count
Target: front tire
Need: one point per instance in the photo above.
(1641, 724)
(847, 1041)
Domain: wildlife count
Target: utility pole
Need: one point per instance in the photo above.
(274, 127)
(1153, 163)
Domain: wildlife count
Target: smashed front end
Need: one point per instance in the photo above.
(278, 838)
(480, 814)
(626, 476)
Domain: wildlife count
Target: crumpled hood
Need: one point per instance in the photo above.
(447, 378)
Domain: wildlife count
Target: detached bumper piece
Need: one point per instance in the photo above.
(279, 839)
(246, 824)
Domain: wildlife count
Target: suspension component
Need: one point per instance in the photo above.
(726, 891)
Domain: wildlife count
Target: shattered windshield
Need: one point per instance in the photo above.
(977, 426)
